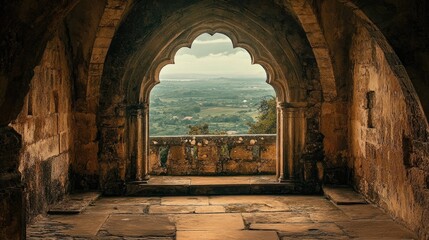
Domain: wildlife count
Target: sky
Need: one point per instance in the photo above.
(212, 56)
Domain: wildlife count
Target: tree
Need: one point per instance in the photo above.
(196, 109)
(199, 129)
(267, 118)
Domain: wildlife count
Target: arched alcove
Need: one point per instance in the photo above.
(212, 90)
(133, 66)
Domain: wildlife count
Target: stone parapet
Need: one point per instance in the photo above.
(213, 155)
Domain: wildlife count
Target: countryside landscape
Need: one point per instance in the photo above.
(226, 105)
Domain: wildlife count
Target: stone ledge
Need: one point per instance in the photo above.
(74, 203)
(204, 155)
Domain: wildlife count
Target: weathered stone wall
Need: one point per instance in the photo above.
(213, 155)
(45, 126)
(405, 26)
(99, 20)
(387, 131)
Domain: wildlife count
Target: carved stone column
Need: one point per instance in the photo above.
(12, 204)
(279, 148)
(292, 138)
(138, 136)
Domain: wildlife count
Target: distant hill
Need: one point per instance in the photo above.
(225, 104)
(202, 76)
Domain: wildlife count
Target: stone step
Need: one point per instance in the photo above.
(74, 203)
(182, 186)
(343, 195)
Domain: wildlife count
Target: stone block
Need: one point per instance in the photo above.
(231, 166)
(180, 167)
(200, 222)
(65, 143)
(64, 122)
(45, 127)
(106, 32)
(117, 4)
(109, 22)
(241, 152)
(208, 169)
(28, 132)
(98, 55)
(198, 200)
(139, 225)
(208, 153)
(154, 164)
(269, 152)
(86, 153)
(294, 229)
(44, 149)
(59, 169)
(112, 13)
(176, 153)
(376, 230)
(230, 235)
(85, 135)
(267, 166)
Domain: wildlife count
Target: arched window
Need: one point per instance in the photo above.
(214, 91)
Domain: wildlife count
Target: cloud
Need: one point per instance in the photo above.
(214, 56)
(213, 41)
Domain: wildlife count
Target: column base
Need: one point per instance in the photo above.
(140, 182)
(286, 180)
(145, 180)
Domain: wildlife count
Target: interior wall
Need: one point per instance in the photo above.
(45, 124)
(83, 25)
(405, 25)
(387, 130)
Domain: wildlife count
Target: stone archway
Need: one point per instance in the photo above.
(291, 119)
(131, 72)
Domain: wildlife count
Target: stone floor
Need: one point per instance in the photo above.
(261, 217)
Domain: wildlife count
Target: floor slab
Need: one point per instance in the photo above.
(183, 200)
(300, 228)
(132, 225)
(74, 203)
(275, 217)
(63, 226)
(363, 212)
(227, 235)
(376, 230)
(343, 195)
(209, 222)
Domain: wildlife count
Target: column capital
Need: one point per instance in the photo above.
(291, 105)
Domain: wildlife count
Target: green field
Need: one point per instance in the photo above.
(225, 104)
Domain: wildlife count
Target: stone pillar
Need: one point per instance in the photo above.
(138, 137)
(12, 204)
(279, 151)
(292, 138)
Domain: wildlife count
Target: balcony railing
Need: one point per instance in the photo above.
(213, 155)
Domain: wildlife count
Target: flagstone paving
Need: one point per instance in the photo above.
(259, 217)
